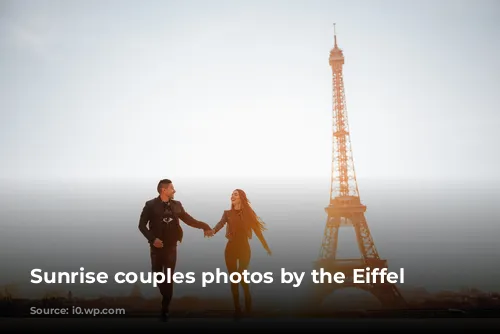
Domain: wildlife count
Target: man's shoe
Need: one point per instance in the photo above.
(164, 315)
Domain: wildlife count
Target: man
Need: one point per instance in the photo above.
(162, 214)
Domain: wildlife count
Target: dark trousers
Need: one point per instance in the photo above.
(161, 260)
(237, 255)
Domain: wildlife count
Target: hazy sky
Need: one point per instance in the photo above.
(243, 88)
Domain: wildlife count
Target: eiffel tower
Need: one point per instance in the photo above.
(345, 208)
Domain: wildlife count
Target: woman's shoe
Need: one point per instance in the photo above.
(237, 314)
(248, 303)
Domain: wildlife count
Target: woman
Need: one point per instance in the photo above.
(241, 220)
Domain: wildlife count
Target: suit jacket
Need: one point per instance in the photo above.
(151, 222)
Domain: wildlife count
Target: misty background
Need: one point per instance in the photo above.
(100, 100)
(445, 238)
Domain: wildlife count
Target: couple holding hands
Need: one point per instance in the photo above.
(159, 223)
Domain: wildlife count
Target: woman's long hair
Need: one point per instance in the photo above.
(248, 213)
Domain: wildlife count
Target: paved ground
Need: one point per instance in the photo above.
(146, 324)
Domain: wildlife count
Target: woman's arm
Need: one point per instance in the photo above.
(260, 235)
(221, 223)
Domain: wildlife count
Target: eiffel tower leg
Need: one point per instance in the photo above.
(331, 239)
(389, 296)
(318, 292)
(363, 235)
(328, 251)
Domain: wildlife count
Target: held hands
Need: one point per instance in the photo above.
(209, 233)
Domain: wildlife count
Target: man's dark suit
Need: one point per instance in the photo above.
(160, 220)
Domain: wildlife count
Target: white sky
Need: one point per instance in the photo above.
(243, 89)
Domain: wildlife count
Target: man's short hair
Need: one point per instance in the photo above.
(163, 184)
